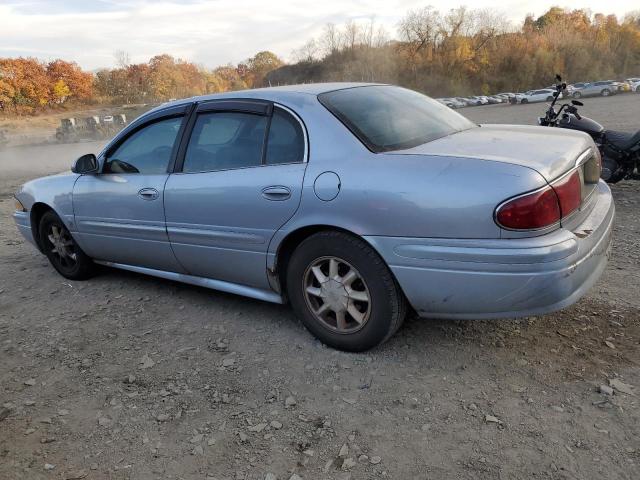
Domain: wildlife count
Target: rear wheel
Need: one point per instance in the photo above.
(343, 292)
(549, 99)
(61, 249)
(611, 171)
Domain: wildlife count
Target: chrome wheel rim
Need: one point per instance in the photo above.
(62, 246)
(336, 294)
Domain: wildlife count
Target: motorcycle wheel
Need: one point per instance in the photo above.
(611, 171)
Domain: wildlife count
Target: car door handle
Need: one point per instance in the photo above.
(277, 193)
(148, 194)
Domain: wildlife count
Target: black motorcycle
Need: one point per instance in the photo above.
(620, 151)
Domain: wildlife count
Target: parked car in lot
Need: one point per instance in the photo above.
(494, 99)
(577, 86)
(508, 97)
(468, 102)
(452, 102)
(480, 99)
(634, 84)
(623, 87)
(352, 202)
(603, 88)
(449, 102)
(456, 103)
(532, 96)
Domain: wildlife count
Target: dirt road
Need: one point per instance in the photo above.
(131, 377)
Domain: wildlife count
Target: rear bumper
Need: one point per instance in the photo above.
(475, 279)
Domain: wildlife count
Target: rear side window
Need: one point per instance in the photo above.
(225, 140)
(387, 118)
(286, 139)
(147, 150)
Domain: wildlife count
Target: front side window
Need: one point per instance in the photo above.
(387, 118)
(147, 150)
(225, 140)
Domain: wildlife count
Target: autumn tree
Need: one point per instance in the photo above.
(79, 83)
(24, 83)
(254, 69)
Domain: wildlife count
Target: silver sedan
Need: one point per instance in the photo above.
(355, 203)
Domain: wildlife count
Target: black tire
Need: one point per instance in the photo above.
(74, 264)
(524, 100)
(386, 307)
(549, 99)
(611, 171)
(606, 92)
(577, 95)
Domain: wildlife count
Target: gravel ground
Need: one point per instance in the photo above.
(131, 377)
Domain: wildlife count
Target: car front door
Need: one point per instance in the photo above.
(239, 180)
(119, 212)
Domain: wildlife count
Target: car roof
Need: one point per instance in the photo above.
(272, 93)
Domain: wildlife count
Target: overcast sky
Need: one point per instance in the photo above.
(212, 32)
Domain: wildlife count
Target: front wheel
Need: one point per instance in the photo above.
(524, 100)
(577, 95)
(61, 249)
(343, 292)
(605, 92)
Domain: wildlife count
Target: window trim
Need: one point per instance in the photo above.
(230, 105)
(303, 128)
(144, 121)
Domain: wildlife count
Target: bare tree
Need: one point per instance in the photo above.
(420, 29)
(123, 59)
(307, 52)
(330, 40)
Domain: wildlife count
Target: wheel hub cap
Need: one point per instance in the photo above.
(61, 243)
(337, 294)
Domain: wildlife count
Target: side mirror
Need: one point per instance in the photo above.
(577, 103)
(86, 165)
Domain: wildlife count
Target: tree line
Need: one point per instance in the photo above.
(470, 51)
(28, 85)
(458, 52)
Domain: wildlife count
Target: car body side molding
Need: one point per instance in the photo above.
(259, 294)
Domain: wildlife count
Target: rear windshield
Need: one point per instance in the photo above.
(387, 118)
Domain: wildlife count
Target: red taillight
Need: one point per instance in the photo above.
(569, 191)
(535, 210)
(544, 207)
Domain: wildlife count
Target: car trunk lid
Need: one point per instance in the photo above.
(550, 151)
(553, 152)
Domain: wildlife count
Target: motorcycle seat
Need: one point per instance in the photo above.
(623, 140)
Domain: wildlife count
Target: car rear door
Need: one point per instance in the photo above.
(238, 180)
(119, 213)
